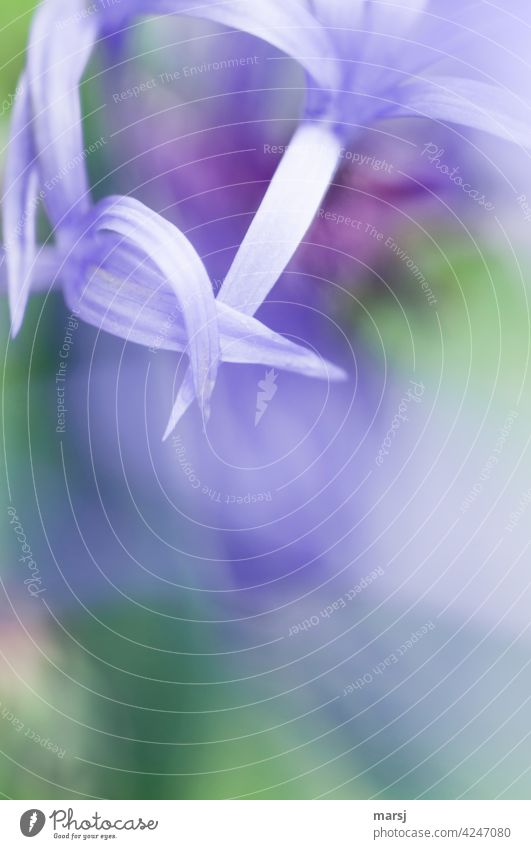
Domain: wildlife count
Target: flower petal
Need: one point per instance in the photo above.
(468, 102)
(178, 262)
(121, 291)
(287, 210)
(337, 14)
(55, 73)
(62, 38)
(394, 16)
(44, 271)
(382, 43)
(285, 24)
(247, 340)
(384, 14)
(269, 349)
(283, 217)
(116, 288)
(20, 202)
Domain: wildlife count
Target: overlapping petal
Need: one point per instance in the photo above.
(125, 294)
(115, 287)
(61, 41)
(287, 210)
(365, 36)
(20, 203)
(63, 37)
(180, 265)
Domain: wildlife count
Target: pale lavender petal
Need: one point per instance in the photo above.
(63, 36)
(61, 41)
(285, 24)
(113, 287)
(282, 354)
(184, 398)
(20, 203)
(468, 102)
(372, 55)
(246, 340)
(287, 210)
(355, 26)
(178, 262)
(370, 17)
(338, 15)
(43, 272)
(120, 290)
(289, 206)
(393, 16)
(116, 288)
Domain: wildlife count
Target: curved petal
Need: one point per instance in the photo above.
(468, 102)
(178, 262)
(385, 28)
(289, 206)
(338, 15)
(20, 202)
(122, 292)
(117, 288)
(262, 346)
(62, 38)
(285, 24)
(380, 15)
(287, 210)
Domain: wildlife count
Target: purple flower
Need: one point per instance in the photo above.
(381, 57)
(124, 267)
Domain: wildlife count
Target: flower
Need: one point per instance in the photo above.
(123, 266)
(361, 68)
(380, 53)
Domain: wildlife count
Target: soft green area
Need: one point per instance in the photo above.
(475, 339)
(63, 682)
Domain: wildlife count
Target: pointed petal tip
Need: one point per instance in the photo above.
(169, 430)
(17, 316)
(337, 374)
(320, 368)
(179, 409)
